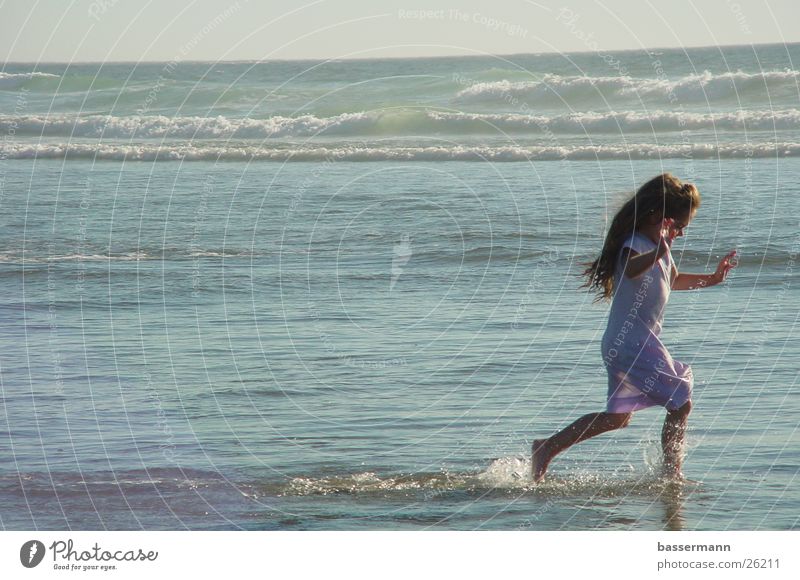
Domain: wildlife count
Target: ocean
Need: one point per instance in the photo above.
(345, 295)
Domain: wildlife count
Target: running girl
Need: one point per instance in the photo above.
(636, 270)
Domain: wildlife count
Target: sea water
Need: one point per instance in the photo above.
(343, 295)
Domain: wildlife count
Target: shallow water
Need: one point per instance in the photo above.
(297, 387)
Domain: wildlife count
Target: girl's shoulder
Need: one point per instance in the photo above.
(638, 242)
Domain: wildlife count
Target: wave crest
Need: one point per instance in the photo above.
(14, 80)
(693, 88)
(396, 123)
(346, 152)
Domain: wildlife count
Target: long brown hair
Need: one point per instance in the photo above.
(664, 196)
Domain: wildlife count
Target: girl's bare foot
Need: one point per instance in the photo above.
(539, 459)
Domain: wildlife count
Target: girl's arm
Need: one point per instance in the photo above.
(694, 281)
(636, 263)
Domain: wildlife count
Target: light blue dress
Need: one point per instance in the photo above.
(641, 372)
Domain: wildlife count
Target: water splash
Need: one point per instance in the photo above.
(503, 475)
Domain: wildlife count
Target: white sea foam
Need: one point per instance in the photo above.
(147, 152)
(626, 121)
(394, 122)
(14, 80)
(158, 126)
(32, 257)
(14, 257)
(694, 87)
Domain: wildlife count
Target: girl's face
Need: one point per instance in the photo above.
(676, 226)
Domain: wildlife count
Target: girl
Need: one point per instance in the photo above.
(636, 269)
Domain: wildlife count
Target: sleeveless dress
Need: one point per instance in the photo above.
(641, 372)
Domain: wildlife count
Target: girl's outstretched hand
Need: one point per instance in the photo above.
(725, 265)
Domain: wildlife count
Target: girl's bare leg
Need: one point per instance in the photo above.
(544, 450)
(672, 438)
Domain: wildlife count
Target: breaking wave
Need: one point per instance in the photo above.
(347, 152)
(15, 80)
(400, 123)
(691, 88)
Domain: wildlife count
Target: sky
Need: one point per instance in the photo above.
(150, 30)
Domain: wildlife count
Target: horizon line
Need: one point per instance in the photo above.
(376, 58)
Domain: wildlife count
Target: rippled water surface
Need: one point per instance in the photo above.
(196, 337)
